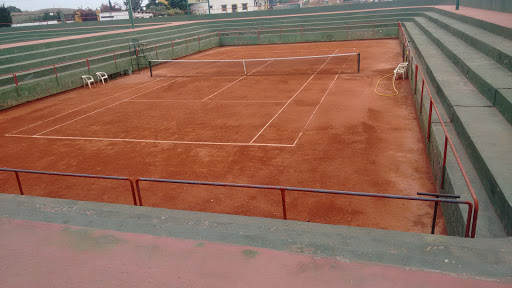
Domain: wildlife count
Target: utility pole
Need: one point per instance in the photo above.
(130, 12)
(457, 5)
(209, 8)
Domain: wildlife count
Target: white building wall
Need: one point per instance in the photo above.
(118, 15)
(216, 6)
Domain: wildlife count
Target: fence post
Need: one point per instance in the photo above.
(56, 76)
(421, 98)
(301, 32)
(19, 182)
(280, 33)
(348, 31)
(283, 201)
(16, 83)
(444, 160)
(88, 67)
(199, 41)
(156, 51)
(429, 120)
(415, 78)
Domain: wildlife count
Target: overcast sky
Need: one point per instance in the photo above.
(32, 5)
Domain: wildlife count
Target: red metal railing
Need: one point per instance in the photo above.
(135, 186)
(20, 187)
(283, 190)
(447, 139)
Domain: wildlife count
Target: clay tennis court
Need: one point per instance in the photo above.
(314, 123)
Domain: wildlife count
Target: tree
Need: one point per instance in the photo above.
(13, 9)
(136, 5)
(51, 16)
(178, 4)
(5, 17)
(156, 6)
(111, 7)
(88, 14)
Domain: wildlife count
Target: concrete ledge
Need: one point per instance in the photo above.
(471, 257)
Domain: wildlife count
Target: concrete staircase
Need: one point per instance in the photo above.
(469, 70)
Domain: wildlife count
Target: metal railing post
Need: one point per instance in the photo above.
(283, 202)
(429, 120)
(444, 161)
(421, 98)
(415, 78)
(19, 182)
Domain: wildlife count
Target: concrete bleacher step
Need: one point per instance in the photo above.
(484, 74)
(488, 224)
(483, 131)
(495, 47)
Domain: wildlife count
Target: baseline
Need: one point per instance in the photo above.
(154, 141)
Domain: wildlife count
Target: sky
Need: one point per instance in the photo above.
(32, 5)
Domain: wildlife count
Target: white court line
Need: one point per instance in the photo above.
(190, 100)
(80, 108)
(40, 122)
(317, 106)
(279, 112)
(153, 141)
(119, 101)
(236, 81)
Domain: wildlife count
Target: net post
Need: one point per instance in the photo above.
(358, 62)
(115, 60)
(56, 76)
(245, 71)
(150, 69)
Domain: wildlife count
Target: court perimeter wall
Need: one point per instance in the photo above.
(170, 43)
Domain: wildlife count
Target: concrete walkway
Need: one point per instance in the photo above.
(64, 243)
(499, 18)
(67, 256)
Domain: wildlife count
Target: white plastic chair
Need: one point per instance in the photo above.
(401, 69)
(102, 76)
(88, 79)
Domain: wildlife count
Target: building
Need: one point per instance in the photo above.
(228, 6)
(119, 15)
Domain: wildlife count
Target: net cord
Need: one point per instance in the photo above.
(257, 59)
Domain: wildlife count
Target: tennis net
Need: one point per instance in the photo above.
(304, 65)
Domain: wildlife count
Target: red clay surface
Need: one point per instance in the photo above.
(322, 130)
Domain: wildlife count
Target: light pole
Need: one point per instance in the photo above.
(457, 5)
(130, 12)
(209, 8)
